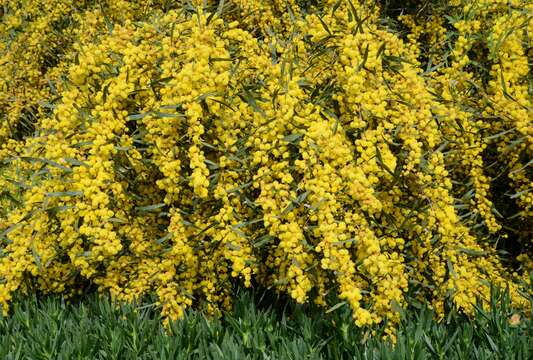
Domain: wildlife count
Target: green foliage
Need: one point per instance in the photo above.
(95, 329)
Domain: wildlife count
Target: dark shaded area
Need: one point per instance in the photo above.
(515, 226)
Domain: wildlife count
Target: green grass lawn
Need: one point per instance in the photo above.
(50, 328)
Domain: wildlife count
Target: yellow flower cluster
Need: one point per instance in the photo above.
(179, 150)
(487, 89)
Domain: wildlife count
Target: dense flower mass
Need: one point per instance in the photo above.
(330, 150)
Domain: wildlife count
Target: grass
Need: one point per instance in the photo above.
(50, 328)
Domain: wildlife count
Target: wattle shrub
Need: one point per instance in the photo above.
(325, 150)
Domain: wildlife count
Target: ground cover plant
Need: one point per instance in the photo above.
(256, 328)
(352, 154)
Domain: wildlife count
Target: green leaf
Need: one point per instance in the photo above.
(247, 223)
(135, 117)
(211, 165)
(295, 203)
(207, 95)
(36, 257)
(249, 98)
(472, 252)
(167, 115)
(56, 209)
(109, 24)
(240, 187)
(324, 25)
(336, 6)
(117, 220)
(233, 247)
(335, 307)
(82, 144)
(263, 240)
(380, 50)
(520, 193)
(64, 193)
(161, 240)
(8, 230)
(150, 208)
(529, 163)
(450, 268)
(46, 161)
(46, 104)
(223, 104)
(293, 138)
(75, 162)
(365, 58)
(347, 241)
(382, 164)
(427, 340)
(18, 184)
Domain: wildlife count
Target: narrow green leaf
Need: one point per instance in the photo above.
(150, 208)
(117, 220)
(263, 240)
(64, 193)
(293, 138)
(324, 25)
(335, 307)
(161, 240)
